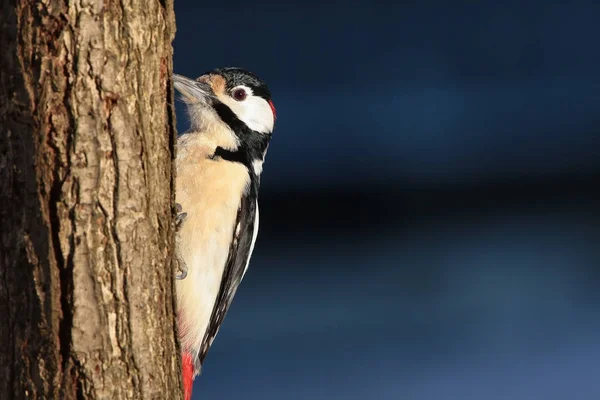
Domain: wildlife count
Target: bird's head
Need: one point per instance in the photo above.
(234, 106)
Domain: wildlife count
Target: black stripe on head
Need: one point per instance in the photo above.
(235, 76)
(253, 145)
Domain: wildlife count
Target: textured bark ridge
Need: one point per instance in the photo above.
(86, 176)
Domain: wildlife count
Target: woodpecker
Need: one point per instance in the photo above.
(219, 163)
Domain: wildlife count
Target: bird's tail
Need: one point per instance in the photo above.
(187, 366)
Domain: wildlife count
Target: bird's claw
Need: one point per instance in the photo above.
(181, 265)
(179, 220)
(182, 268)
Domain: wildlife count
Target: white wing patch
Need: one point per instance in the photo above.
(257, 166)
(254, 236)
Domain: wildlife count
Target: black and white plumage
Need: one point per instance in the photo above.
(219, 162)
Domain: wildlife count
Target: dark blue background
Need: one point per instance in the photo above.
(428, 207)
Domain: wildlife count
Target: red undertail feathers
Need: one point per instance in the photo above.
(187, 366)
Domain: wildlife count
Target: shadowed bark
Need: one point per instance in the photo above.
(86, 187)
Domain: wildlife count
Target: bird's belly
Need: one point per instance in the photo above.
(209, 192)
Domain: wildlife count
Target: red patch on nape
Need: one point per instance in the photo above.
(273, 109)
(187, 367)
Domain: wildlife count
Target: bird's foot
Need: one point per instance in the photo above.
(179, 220)
(181, 267)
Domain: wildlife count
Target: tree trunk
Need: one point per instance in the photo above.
(86, 187)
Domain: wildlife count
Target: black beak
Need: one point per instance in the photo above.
(193, 91)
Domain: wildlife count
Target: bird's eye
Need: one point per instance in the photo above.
(239, 94)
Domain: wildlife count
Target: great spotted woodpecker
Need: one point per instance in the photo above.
(219, 162)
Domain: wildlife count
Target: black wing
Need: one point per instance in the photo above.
(239, 253)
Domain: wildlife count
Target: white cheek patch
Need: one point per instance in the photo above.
(258, 114)
(254, 111)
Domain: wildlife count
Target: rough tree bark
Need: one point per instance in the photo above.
(86, 174)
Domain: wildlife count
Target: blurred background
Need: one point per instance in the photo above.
(429, 210)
